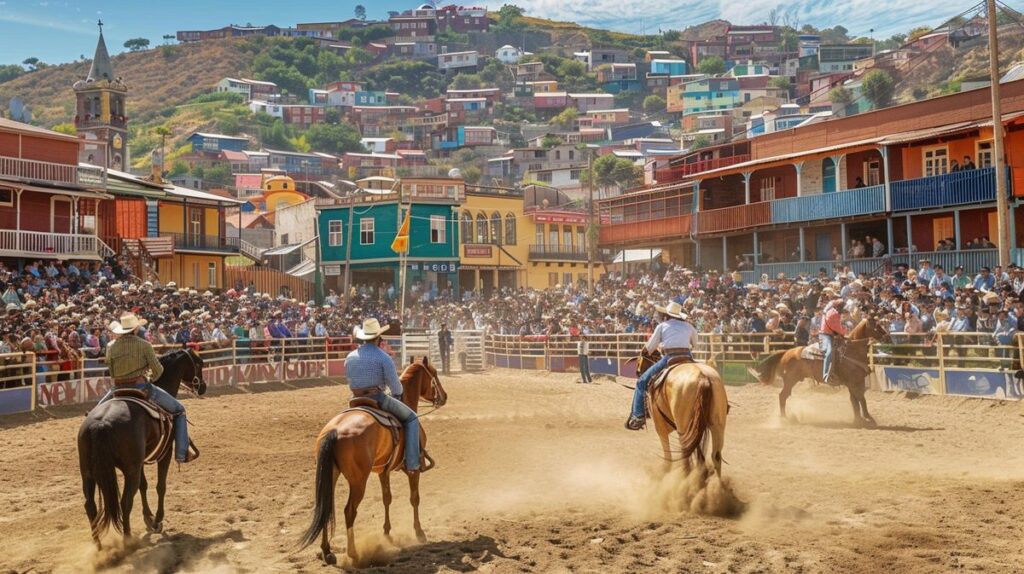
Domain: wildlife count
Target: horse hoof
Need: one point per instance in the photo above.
(330, 559)
(156, 527)
(421, 536)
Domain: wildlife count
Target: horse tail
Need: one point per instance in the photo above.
(691, 439)
(101, 443)
(323, 511)
(765, 370)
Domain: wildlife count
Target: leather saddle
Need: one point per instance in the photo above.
(663, 375)
(159, 448)
(390, 422)
(812, 352)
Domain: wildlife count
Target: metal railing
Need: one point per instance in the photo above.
(30, 169)
(863, 201)
(670, 174)
(213, 242)
(249, 250)
(558, 253)
(39, 243)
(733, 218)
(957, 188)
(971, 259)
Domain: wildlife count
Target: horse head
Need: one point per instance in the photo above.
(198, 382)
(423, 376)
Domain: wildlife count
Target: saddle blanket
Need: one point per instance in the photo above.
(812, 352)
(383, 418)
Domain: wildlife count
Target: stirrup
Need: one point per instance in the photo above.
(192, 453)
(635, 423)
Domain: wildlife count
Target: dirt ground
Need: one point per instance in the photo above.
(536, 474)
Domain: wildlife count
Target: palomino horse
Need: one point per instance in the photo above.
(692, 402)
(118, 434)
(850, 371)
(354, 444)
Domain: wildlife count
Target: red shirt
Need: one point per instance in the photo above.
(833, 324)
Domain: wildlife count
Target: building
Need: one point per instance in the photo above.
(598, 57)
(558, 226)
(492, 95)
(751, 42)
(250, 89)
(303, 115)
(508, 54)
(455, 62)
(842, 57)
(615, 78)
(462, 19)
(668, 67)
(708, 94)
(100, 116)
(216, 143)
(493, 249)
(297, 164)
(591, 102)
(230, 31)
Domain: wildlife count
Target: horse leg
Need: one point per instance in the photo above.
(717, 442)
(162, 466)
(857, 419)
(356, 490)
(147, 513)
(89, 489)
(787, 389)
(131, 487)
(414, 499)
(385, 492)
(864, 408)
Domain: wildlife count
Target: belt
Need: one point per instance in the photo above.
(366, 392)
(677, 351)
(129, 381)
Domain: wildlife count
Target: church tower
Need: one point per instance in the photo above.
(100, 116)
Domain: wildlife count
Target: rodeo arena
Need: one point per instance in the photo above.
(798, 353)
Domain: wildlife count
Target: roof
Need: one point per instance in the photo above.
(219, 136)
(594, 95)
(248, 81)
(475, 90)
(627, 153)
(297, 153)
(282, 249)
(550, 94)
(101, 68)
(232, 155)
(59, 190)
(11, 125)
(187, 193)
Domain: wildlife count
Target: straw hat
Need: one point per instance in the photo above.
(737, 276)
(990, 298)
(673, 309)
(128, 323)
(370, 330)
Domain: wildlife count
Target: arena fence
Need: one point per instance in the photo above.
(966, 364)
(30, 380)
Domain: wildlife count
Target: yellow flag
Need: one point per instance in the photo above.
(401, 242)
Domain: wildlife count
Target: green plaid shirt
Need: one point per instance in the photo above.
(130, 356)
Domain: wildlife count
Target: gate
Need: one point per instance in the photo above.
(467, 351)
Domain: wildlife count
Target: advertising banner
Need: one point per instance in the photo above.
(911, 380)
(987, 384)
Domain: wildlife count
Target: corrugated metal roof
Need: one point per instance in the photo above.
(200, 195)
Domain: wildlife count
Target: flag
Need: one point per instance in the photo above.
(401, 242)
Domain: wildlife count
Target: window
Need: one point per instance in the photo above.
(553, 236)
(552, 279)
(768, 189)
(195, 221)
(495, 227)
(284, 239)
(466, 231)
(567, 236)
(538, 235)
(366, 231)
(558, 154)
(481, 228)
(211, 274)
(574, 174)
(936, 161)
(581, 238)
(873, 172)
(984, 154)
(544, 177)
(6, 197)
(510, 229)
(334, 233)
(566, 279)
(437, 229)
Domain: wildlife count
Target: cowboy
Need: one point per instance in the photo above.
(370, 370)
(832, 332)
(676, 336)
(129, 357)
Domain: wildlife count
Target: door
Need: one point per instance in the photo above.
(60, 214)
(993, 228)
(823, 246)
(942, 228)
(828, 175)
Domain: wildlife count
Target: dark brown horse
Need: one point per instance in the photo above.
(118, 435)
(851, 371)
(354, 444)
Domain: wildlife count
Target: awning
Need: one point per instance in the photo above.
(307, 267)
(80, 193)
(634, 255)
(282, 250)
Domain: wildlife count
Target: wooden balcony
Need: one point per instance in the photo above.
(668, 228)
(32, 170)
(670, 174)
(849, 203)
(14, 243)
(958, 188)
(557, 253)
(734, 218)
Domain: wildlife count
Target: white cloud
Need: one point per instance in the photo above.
(44, 23)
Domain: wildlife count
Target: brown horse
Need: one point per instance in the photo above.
(850, 371)
(354, 444)
(692, 403)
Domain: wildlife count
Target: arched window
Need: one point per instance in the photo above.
(510, 229)
(481, 228)
(496, 228)
(467, 227)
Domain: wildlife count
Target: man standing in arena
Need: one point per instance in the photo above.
(445, 343)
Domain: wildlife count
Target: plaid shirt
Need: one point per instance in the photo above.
(130, 356)
(370, 367)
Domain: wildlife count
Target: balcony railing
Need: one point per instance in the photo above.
(37, 243)
(210, 242)
(958, 188)
(863, 201)
(39, 170)
(655, 229)
(734, 218)
(971, 259)
(678, 172)
(557, 253)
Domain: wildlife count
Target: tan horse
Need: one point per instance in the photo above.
(354, 444)
(791, 367)
(691, 402)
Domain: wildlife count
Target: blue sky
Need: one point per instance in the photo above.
(62, 30)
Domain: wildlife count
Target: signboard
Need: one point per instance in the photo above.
(479, 250)
(549, 217)
(332, 270)
(435, 267)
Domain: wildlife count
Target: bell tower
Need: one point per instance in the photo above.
(100, 116)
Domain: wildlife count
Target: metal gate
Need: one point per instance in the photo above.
(467, 352)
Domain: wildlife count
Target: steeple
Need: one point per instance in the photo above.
(101, 68)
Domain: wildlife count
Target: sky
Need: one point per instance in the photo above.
(57, 31)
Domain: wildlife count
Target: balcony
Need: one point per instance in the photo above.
(557, 253)
(656, 229)
(63, 245)
(959, 188)
(734, 218)
(676, 173)
(203, 242)
(849, 203)
(32, 170)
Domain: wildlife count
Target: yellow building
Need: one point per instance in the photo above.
(279, 191)
(557, 228)
(195, 221)
(493, 245)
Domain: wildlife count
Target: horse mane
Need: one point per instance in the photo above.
(858, 332)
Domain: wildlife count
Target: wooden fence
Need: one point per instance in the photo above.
(269, 281)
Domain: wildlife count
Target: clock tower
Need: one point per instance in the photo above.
(100, 116)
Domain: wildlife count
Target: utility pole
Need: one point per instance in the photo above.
(591, 230)
(346, 284)
(1002, 205)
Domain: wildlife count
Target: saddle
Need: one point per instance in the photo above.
(812, 352)
(158, 449)
(659, 381)
(394, 426)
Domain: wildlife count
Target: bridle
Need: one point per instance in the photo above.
(193, 385)
(435, 386)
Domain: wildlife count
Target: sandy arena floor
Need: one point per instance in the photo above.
(536, 474)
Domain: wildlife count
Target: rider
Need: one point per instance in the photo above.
(831, 335)
(676, 335)
(369, 370)
(129, 358)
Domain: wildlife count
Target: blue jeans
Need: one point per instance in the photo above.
(826, 347)
(585, 369)
(411, 424)
(164, 400)
(641, 385)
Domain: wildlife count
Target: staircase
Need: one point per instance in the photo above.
(143, 253)
(251, 251)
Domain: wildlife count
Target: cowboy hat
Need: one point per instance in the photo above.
(673, 309)
(370, 330)
(128, 323)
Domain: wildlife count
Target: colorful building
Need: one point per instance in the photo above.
(494, 251)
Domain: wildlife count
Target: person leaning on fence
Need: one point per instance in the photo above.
(583, 354)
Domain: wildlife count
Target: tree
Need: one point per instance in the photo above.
(334, 138)
(654, 104)
(711, 65)
(360, 11)
(466, 82)
(136, 44)
(178, 169)
(879, 88)
(790, 42)
(916, 33)
(566, 119)
(471, 174)
(701, 141)
(549, 141)
(779, 82)
(10, 71)
(510, 18)
(840, 95)
(33, 64)
(168, 38)
(66, 128)
(217, 175)
(609, 171)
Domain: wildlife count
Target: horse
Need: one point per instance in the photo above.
(850, 370)
(354, 444)
(693, 403)
(117, 435)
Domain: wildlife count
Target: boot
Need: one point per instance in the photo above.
(635, 423)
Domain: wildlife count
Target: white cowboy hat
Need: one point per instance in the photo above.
(128, 324)
(673, 309)
(370, 330)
